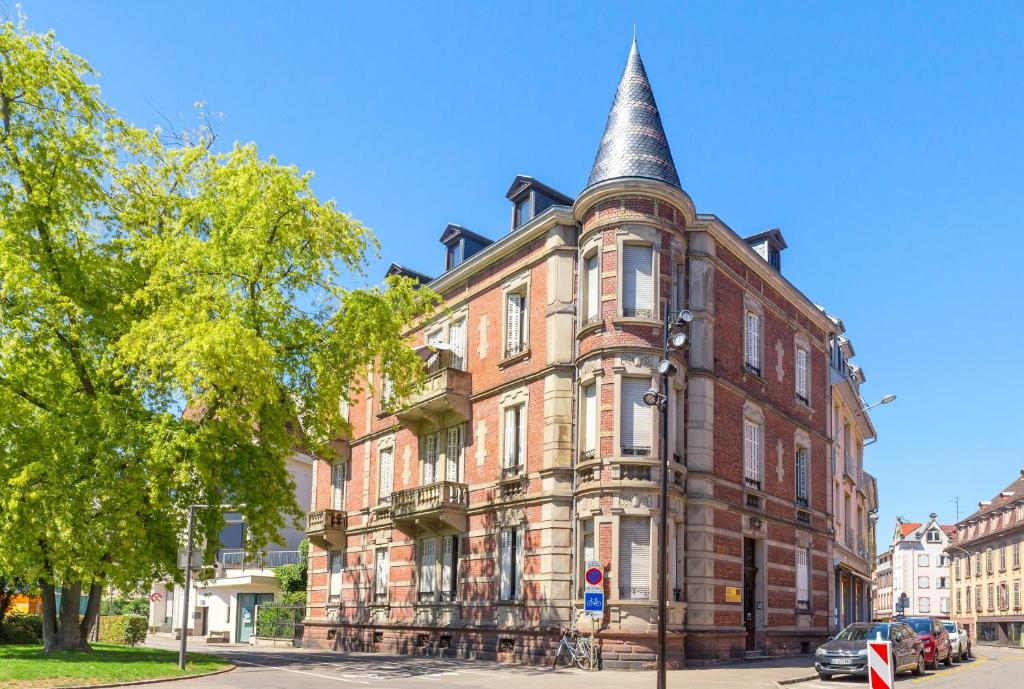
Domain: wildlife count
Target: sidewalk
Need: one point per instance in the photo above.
(766, 674)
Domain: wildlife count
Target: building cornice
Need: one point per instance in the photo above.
(635, 185)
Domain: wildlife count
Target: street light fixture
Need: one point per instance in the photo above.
(885, 400)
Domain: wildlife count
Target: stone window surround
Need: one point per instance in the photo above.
(593, 246)
(624, 368)
(755, 413)
(510, 518)
(443, 325)
(800, 341)
(384, 443)
(511, 398)
(521, 282)
(629, 511)
(592, 376)
(638, 235)
(802, 441)
(752, 304)
(441, 469)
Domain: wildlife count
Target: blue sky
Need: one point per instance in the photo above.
(883, 139)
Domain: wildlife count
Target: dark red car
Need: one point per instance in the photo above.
(935, 639)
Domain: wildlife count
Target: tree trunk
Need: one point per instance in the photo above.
(69, 634)
(92, 610)
(49, 616)
(6, 596)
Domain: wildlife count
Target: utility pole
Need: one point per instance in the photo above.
(183, 650)
(956, 501)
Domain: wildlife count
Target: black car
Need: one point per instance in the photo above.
(847, 651)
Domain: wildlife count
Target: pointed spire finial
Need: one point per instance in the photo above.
(634, 142)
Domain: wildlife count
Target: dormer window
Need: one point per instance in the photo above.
(453, 256)
(530, 198)
(933, 536)
(522, 211)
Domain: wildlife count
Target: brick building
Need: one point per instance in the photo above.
(987, 573)
(458, 521)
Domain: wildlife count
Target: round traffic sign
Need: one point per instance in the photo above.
(594, 576)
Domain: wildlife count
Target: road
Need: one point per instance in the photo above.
(266, 668)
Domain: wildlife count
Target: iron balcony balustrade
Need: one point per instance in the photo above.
(443, 399)
(326, 528)
(239, 559)
(439, 507)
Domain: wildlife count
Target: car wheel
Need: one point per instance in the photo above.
(935, 660)
(919, 670)
(970, 653)
(959, 656)
(949, 657)
(824, 676)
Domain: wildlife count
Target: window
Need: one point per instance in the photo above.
(751, 454)
(933, 536)
(922, 560)
(380, 580)
(944, 605)
(801, 477)
(636, 428)
(457, 342)
(1002, 558)
(924, 605)
(956, 568)
(387, 472)
(591, 288)
(589, 414)
(587, 544)
(336, 566)
(1016, 555)
(977, 598)
(516, 322)
(802, 394)
(990, 597)
(449, 568)
(453, 455)
(1016, 595)
(387, 391)
(752, 348)
(1004, 595)
(923, 582)
(514, 455)
(959, 609)
(635, 558)
(453, 255)
(637, 281)
(803, 579)
(988, 560)
(338, 486)
(169, 605)
(942, 582)
(977, 564)
(942, 561)
(428, 568)
(967, 595)
(428, 458)
(523, 211)
(511, 545)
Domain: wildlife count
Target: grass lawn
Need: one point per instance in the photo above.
(23, 667)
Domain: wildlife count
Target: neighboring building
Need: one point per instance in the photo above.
(854, 497)
(460, 521)
(987, 570)
(917, 565)
(223, 607)
(26, 604)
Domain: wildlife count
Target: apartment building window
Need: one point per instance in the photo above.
(638, 281)
(338, 471)
(802, 394)
(387, 392)
(942, 582)
(923, 582)
(635, 427)
(387, 475)
(933, 536)
(587, 544)
(449, 568)
(959, 609)
(457, 342)
(336, 566)
(752, 346)
(944, 606)
(752, 432)
(380, 579)
(635, 558)
(509, 564)
(988, 561)
(1016, 555)
(1002, 558)
(1004, 595)
(802, 470)
(169, 606)
(803, 579)
(453, 454)
(956, 568)
(1016, 595)
(977, 598)
(428, 568)
(922, 560)
(977, 564)
(514, 453)
(588, 410)
(967, 595)
(592, 288)
(428, 458)
(516, 322)
(990, 596)
(523, 211)
(924, 605)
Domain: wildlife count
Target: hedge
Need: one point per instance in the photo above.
(126, 630)
(21, 629)
(278, 621)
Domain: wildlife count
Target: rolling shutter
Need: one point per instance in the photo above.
(380, 584)
(336, 566)
(593, 290)
(457, 341)
(801, 373)
(635, 557)
(803, 570)
(510, 433)
(801, 473)
(753, 344)
(429, 458)
(428, 560)
(453, 456)
(751, 450)
(449, 557)
(386, 473)
(590, 417)
(514, 306)
(505, 564)
(637, 282)
(636, 415)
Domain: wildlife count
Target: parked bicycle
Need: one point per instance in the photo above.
(577, 646)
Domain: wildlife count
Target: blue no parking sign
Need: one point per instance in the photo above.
(593, 594)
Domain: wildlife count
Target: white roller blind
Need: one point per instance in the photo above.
(589, 552)
(457, 340)
(590, 417)
(593, 290)
(453, 456)
(751, 450)
(636, 415)
(634, 557)
(386, 472)
(448, 560)
(801, 373)
(509, 450)
(637, 282)
(380, 583)
(428, 559)
(515, 305)
(337, 560)
(753, 340)
(505, 564)
(338, 486)
(429, 458)
(803, 570)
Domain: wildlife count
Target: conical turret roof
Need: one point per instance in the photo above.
(634, 142)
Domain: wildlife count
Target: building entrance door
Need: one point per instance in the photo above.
(246, 618)
(750, 591)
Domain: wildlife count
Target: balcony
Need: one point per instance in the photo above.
(239, 559)
(326, 529)
(443, 400)
(434, 508)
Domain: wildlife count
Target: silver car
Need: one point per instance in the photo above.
(847, 651)
(959, 641)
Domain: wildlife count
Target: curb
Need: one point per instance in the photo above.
(796, 680)
(155, 680)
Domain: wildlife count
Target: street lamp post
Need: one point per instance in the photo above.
(658, 396)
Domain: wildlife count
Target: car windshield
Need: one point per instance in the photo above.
(950, 626)
(921, 625)
(861, 632)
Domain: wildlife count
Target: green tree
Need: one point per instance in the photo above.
(138, 279)
(292, 578)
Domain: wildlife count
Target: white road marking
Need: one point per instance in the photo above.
(300, 672)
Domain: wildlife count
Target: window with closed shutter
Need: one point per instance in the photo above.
(590, 420)
(449, 567)
(514, 439)
(752, 453)
(587, 544)
(509, 563)
(453, 454)
(387, 471)
(637, 281)
(592, 290)
(752, 350)
(428, 567)
(801, 375)
(336, 567)
(635, 558)
(515, 326)
(801, 476)
(429, 460)
(457, 341)
(380, 581)
(636, 417)
(803, 578)
(338, 486)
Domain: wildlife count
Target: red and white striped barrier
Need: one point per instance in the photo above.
(881, 665)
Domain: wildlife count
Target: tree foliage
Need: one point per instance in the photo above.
(137, 279)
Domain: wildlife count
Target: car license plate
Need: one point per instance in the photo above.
(842, 661)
